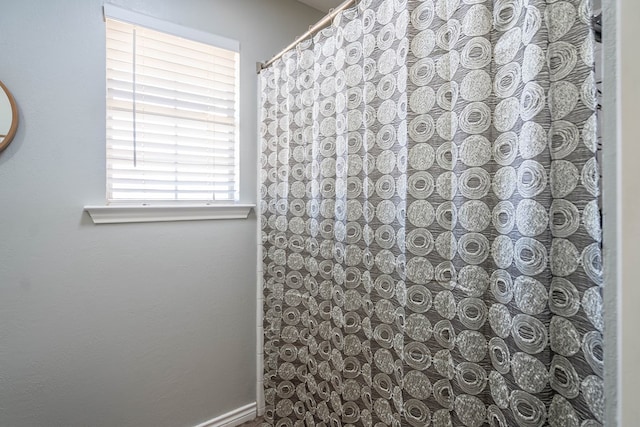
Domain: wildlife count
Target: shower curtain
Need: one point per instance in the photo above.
(430, 218)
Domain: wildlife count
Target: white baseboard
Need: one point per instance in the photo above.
(233, 418)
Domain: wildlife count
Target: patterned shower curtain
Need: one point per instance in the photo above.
(430, 219)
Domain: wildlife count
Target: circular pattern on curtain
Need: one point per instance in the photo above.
(430, 222)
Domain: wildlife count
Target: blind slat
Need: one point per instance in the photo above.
(132, 186)
(123, 49)
(155, 124)
(160, 131)
(166, 164)
(221, 97)
(167, 144)
(120, 27)
(143, 88)
(151, 144)
(226, 122)
(122, 61)
(146, 100)
(148, 197)
(170, 76)
(132, 180)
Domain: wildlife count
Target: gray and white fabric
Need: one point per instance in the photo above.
(430, 219)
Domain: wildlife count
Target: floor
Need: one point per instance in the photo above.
(253, 423)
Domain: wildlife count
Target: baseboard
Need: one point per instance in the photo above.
(232, 418)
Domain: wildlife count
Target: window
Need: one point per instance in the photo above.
(172, 112)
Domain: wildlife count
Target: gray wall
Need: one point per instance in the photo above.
(629, 209)
(118, 325)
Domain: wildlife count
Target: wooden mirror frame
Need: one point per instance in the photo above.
(6, 140)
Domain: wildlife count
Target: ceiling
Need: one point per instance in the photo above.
(322, 5)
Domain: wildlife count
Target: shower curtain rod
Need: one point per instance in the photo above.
(317, 26)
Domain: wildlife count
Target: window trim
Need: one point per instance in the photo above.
(115, 214)
(135, 18)
(160, 211)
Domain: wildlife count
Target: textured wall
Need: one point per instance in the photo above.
(629, 72)
(118, 325)
(609, 133)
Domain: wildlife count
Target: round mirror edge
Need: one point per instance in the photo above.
(4, 143)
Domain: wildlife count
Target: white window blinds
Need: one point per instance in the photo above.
(172, 115)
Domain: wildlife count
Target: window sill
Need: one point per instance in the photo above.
(122, 214)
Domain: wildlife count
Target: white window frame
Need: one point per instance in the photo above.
(151, 211)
